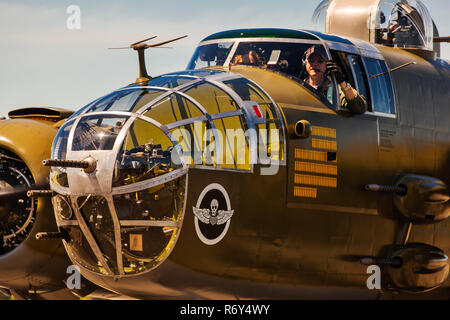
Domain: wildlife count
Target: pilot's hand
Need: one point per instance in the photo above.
(333, 68)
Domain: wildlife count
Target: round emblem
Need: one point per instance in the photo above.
(213, 213)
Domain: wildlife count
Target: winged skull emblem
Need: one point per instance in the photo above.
(213, 216)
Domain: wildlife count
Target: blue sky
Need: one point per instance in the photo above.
(45, 64)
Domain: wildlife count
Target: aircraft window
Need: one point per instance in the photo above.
(144, 246)
(97, 132)
(380, 86)
(59, 151)
(212, 98)
(126, 100)
(360, 75)
(180, 108)
(271, 133)
(210, 55)
(190, 138)
(96, 213)
(86, 107)
(278, 56)
(351, 66)
(59, 147)
(222, 152)
(169, 82)
(405, 24)
(146, 153)
(81, 249)
(232, 149)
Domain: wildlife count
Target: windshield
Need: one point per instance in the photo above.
(279, 56)
(210, 55)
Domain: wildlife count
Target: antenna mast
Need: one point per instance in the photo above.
(140, 47)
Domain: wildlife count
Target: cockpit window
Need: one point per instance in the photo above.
(283, 57)
(278, 56)
(210, 55)
(380, 86)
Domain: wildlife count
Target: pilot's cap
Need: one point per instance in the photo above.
(314, 50)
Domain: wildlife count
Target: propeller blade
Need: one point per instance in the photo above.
(13, 193)
(11, 158)
(19, 191)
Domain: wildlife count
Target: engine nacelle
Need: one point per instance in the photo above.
(29, 268)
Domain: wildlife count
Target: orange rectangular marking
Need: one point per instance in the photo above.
(324, 144)
(310, 155)
(315, 180)
(305, 192)
(313, 155)
(324, 132)
(315, 167)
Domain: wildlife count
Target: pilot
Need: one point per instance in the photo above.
(250, 58)
(318, 70)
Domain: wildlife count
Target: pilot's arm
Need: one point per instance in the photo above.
(350, 98)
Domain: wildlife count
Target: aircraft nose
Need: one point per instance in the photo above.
(124, 216)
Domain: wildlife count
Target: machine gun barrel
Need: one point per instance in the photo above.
(40, 193)
(400, 190)
(65, 163)
(89, 164)
(52, 236)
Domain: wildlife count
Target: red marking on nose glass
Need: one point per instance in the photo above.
(258, 113)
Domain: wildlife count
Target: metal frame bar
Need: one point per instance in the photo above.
(117, 233)
(89, 237)
(149, 223)
(149, 183)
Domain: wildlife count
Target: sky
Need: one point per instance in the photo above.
(45, 63)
